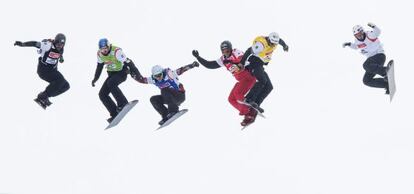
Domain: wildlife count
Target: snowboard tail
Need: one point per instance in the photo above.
(122, 114)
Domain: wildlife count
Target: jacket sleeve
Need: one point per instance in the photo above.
(185, 68)
(31, 44)
(374, 34)
(98, 71)
(283, 43)
(133, 69)
(208, 64)
(246, 55)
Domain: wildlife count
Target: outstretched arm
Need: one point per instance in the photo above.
(205, 63)
(284, 45)
(27, 44)
(183, 69)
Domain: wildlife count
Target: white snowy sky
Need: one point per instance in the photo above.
(325, 131)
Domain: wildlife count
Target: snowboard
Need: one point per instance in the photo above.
(247, 104)
(173, 118)
(122, 114)
(391, 79)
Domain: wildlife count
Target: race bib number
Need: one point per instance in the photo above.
(234, 68)
(52, 58)
(111, 66)
(51, 61)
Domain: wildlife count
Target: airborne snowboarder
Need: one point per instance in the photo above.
(51, 53)
(371, 47)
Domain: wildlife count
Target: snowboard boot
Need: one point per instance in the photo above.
(249, 118)
(163, 121)
(41, 103)
(120, 107)
(254, 105)
(110, 119)
(171, 114)
(43, 100)
(165, 118)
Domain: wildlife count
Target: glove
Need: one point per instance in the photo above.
(18, 43)
(346, 44)
(371, 25)
(61, 60)
(93, 82)
(195, 53)
(286, 48)
(195, 64)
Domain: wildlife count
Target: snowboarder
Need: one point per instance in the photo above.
(51, 53)
(371, 47)
(258, 55)
(230, 59)
(172, 91)
(118, 66)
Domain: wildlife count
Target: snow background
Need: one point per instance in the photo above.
(325, 133)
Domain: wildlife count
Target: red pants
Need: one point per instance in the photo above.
(244, 84)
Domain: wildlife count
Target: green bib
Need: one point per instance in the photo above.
(110, 61)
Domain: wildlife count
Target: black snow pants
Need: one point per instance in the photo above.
(57, 83)
(263, 85)
(375, 66)
(111, 86)
(169, 96)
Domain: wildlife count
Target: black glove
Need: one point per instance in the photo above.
(195, 53)
(61, 60)
(93, 82)
(18, 43)
(346, 44)
(286, 48)
(195, 64)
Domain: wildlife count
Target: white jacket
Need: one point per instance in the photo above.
(371, 45)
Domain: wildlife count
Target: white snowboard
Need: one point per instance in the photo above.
(122, 114)
(176, 116)
(247, 104)
(391, 80)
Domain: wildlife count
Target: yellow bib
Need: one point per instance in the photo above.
(266, 54)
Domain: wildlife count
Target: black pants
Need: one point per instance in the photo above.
(263, 85)
(111, 86)
(57, 83)
(375, 66)
(171, 97)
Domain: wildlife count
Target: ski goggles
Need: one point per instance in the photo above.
(158, 75)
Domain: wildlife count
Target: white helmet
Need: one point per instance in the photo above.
(157, 69)
(357, 29)
(274, 38)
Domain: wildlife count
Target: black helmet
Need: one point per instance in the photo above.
(226, 45)
(59, 40)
